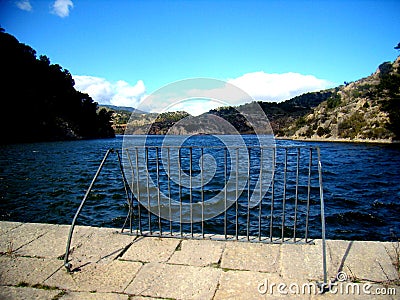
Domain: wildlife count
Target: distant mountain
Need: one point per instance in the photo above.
(365, 110)
(279, 115)
(39, 101)
(122, 108)
(154, 123)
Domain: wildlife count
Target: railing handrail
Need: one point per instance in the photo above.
(130, 192)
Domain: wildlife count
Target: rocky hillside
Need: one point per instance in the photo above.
(367, 109)
(279, 115)
(152, 123)
(364, 110)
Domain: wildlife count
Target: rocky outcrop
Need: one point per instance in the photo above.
(367, 109)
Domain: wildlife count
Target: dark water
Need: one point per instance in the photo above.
(45, 182)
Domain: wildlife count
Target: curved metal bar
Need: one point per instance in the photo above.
(67, 265)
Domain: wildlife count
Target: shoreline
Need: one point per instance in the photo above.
(341, 140)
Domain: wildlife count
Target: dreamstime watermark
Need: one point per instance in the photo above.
(156, 153)
(339, 286)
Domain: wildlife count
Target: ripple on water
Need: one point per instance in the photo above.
(45, 182)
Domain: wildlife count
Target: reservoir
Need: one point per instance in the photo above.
(45, 182)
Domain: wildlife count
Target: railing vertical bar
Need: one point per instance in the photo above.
(148, 187)
(261, 195)
(237, 196)
(284, 195)
(202, 191)
(158, 192)
(321, 195)
(248, 195)
(180, 191)
(138, 190)
(127, 193)
(190, 190)
(271, 223)
(169, 190)
(226, 192)
(308, 193)
(131, 189)
(296, 194)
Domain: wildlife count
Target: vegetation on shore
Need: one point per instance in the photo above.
(40, 102)
(367, 109)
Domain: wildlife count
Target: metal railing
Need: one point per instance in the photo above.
(254, 194)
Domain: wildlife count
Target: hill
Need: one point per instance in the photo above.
(365, 110)
(279, 114)
(154, 123)
(141, 122)
(39, 101)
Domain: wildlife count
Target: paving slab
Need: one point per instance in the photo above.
(18, 293)
(109, 265)
(393, 250)
(251, 256)
(22, 235)
(151, 249)
(253, 285)
(93, 296)
(15, 270)
(143, 298)
(362, 260)
(96, 277)
(52, 244)
(302, 261)
(175, 281)
(6, 226)
(198, 253)
(99, 244)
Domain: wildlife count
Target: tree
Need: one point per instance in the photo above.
(44, 59)
(397, 47)
(39, 101)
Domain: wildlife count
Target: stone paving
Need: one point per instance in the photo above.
(108, 265)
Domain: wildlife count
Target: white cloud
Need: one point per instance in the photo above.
(62, 7)
(24, 5)
(103, 91)
(278, 87)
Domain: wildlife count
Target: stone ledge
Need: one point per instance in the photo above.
(108, 265)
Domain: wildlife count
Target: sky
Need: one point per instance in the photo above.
(120, 52)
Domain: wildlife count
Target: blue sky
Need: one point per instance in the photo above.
(121, 51)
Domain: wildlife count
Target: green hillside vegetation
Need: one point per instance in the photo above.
(367, 109)
(279, 115)
(39, 101)
(119, 116)
(140, 122)
(151, 123)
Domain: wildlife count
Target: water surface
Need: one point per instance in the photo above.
(45, 182)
